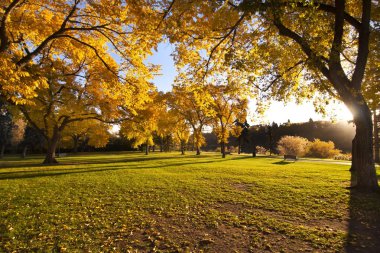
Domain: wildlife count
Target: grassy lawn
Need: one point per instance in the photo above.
(172, 203)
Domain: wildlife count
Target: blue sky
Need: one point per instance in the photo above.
(278, 112)
(168, 70)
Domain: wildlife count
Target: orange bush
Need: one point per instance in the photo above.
(293, 145)
(322, 149)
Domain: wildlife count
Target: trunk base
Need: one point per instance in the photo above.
(50, 160)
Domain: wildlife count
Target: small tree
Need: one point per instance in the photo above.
(293, 145)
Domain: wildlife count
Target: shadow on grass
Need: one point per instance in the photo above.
(51, 171)
(73, 161)
(282, 163)
(364, 224)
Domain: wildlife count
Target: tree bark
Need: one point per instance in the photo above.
(239, 144)
(2, 151)
(146, 148)
(50, 152)
(376, 136)
(23, 155)
(76, 142)
(223, 149)
(363, 167)
(182, 148)
(253, 150)
(198, 151)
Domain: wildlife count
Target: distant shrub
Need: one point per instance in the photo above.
(293, 145)
(322, 149)
(345, 157)
(261, 150)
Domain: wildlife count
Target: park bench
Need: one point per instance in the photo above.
(290, 157)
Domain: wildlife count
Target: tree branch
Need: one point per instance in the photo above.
(3, 23)
(363, 48)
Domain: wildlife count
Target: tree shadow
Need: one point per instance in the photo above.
(364, 223)
(51, 171)
(282, 163)
(72, 161)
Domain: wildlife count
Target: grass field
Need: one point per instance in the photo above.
(172, 203)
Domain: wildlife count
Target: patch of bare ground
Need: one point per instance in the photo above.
(243, 186)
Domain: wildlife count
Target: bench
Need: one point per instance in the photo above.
(290, 157)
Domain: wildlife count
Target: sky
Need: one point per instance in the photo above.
(277, 112)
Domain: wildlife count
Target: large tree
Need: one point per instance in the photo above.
(143, 124)
(78, 134)
(228, 105)
(78, 91)
(306, 49)
(193, 104)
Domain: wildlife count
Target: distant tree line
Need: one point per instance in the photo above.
(267, 136)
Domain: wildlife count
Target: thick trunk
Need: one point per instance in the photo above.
(376, 136)
(363, 167)
(50, 152)
(254, 151)
(23, 155)
(76, 142)
(223, 149)
(2, 151)
(353, 154)
(198, 151)
(146, 148)
(239, 145)
(161, 144)
(182, 148)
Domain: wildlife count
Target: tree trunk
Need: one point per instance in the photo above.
(198, 151)
(239, 144)
(23, 155)
(223, 149)
(76, 142)
(146, 148)
(182, 148)
(363, 167)
(52, 145)
(353, 154)
(254, 151)
(2, 151)
(161, 144)
(376, 136)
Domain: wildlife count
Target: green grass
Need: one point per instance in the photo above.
(172, 203)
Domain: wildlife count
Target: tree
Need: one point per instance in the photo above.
(17, 132)
(181, 130)
(244, 133)
(32, 140)
(86, 63)
(79, 91)
(89, 132)
(142, 126)
(228, 105)
(192, 103)
(299, 48)
(30, 30)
